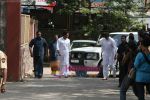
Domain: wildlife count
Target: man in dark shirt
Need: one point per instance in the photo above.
(121, 50)
(39, 45)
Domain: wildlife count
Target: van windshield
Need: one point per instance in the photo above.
(82, 44)
(117, 37)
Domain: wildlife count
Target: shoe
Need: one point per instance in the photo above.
(3, 88)
(35, 76)
(66, 76)
(104, 78)
(98, 76)
(39, 76)
(119, 85)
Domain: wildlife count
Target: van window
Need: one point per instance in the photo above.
(82, 44)
(117, 37)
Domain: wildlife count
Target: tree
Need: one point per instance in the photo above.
(126, 10)
(70, 6)
(115, 15)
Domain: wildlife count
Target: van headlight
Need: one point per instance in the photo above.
(79, 55)
(92, 56)
(72, 55)
(76, 55)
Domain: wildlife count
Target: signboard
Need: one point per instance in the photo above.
(41, 2)
(45, 5)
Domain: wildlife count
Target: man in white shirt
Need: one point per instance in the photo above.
(108, 54)
(63, 48)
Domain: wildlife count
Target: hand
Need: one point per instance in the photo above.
(115, 57)
(47, 56)
(3, 88)
(31, 54)
(58, 53)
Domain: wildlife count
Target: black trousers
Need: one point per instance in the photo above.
(123, 70)
(126, 83)
(38, 66)
(141, 91)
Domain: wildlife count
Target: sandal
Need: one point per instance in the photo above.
(3, 88)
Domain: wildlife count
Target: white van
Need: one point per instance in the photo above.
(117, 36)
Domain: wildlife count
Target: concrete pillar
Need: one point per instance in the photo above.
(13, 39)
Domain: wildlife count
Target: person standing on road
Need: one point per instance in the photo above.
(120, 53)
(3, 71)
(142, 66)
(39, 45)
(63, 48)
(108, 55)
(54, 63)
(130, 59)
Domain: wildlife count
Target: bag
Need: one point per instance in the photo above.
(132, 73)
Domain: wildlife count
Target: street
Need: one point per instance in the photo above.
(72, 88)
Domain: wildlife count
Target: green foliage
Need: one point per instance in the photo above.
(70, 6)
(125, 6)
(115, 17)
(122, 12)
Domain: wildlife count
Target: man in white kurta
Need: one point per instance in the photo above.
(63, 48)
(108, 54)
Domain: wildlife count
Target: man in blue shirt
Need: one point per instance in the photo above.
(39, 45)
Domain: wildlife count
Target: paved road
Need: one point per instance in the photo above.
(49, 88)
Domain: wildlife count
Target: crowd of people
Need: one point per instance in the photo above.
(137, 56)
(57, 51)
(129, 54)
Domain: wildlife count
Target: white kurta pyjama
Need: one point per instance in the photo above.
(63, 46)
(109, 49)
